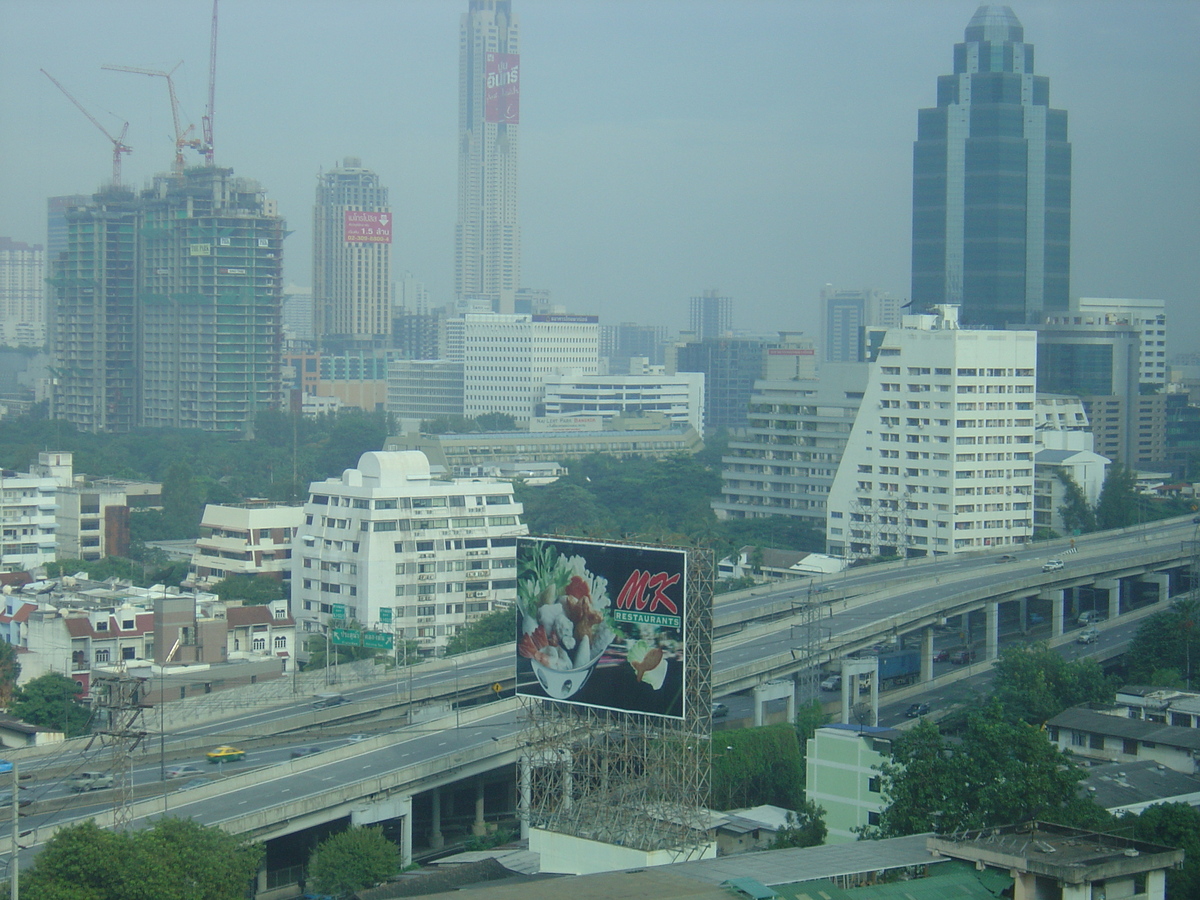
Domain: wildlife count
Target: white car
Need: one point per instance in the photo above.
(1052, 565)
(1088, 636)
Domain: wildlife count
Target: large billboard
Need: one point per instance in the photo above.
(602, 625)
(362, 227)
(502, 89)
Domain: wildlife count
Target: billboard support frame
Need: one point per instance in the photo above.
(636, 779)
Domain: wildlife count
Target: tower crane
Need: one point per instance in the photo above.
(119, 145)
(182, 138)
(207, 121)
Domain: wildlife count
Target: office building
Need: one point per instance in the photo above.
(352, 257)
(1148, 316)
(847, 313)
(385, 535)
(507, 359)
(22, 294)
(679, 397)
(710, 316)
(487, 236)
(940, 459)
(619, 344)
(424, 389)
(992, 184)
(784, 461)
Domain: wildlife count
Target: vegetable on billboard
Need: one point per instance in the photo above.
(601, 624)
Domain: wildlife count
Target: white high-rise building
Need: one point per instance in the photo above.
(352, 255)
(22, 294)
(508, 358)
(941, 456)
(386, 535)
(487, 246)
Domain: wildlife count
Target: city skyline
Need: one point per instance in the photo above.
(668, 148)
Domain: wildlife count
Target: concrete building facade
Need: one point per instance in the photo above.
(244, 539)
(22, 294)
(679, 397)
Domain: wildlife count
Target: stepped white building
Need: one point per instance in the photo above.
(387, 536)
(941, 456)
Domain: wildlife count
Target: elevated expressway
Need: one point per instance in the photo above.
(1122, 574)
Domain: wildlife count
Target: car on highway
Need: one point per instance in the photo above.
(1090, 617)
(832, 683)
(357, 738)
(182, 771)
(90, 781)
(6, 801)
(942, 656)
(304, 751)
(1087, 636)
(962, 657)
(916, 710)
(1007, 557)
(225, 754)
(1052, 565)
(719, 710)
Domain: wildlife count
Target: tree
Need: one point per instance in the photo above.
(1117, 506)
(355, 859)
(250, 589)
(10, 671)
(1171, 825)
(337, 653)
(496, 421)
(998, 773)
(49, 701)
(182, 502)
(809, 718)
(1166, 642)
(496, 627)
(1034, 683)
(804, 829)
(753, 766)
(176, 858)
(1076, 512)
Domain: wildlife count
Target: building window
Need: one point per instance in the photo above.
(280, 642)
(873, 817)
(873, 784)
(260, 643)
(1129, 747)
(101, 656)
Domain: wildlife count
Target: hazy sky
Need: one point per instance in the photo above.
(761, 147)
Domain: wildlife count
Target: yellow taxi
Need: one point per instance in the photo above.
(225, 754)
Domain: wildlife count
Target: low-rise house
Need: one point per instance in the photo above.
(1162, 705)
(262, 630)
(1097, 735)
(743, 830)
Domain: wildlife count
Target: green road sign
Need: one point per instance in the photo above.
(377, 640)
(339, 611)
(385, 614)
(347, 637)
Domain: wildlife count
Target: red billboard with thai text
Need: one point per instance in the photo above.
(502, 89)
(602, 625)
(367, 227)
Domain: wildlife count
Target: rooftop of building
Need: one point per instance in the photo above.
(1118, 785)
(1081, 719)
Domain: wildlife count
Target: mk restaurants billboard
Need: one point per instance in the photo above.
(502, 90)
(601, 625)
(367, 227)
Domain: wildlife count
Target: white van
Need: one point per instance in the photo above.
(1090, 617)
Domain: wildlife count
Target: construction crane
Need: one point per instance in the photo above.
(182, 137)
(119, 145)
(207, 121)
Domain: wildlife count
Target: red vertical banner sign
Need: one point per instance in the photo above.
(502, 89)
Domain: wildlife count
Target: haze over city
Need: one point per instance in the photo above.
(762, 148)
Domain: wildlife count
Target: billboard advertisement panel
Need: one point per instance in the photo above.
(602, 625)
(502, 90)
(367, 227)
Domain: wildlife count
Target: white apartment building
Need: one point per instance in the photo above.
(27, 520)
(22, 294)
(244, 539)
(1147, 316)
(1064, 445)
(941, 457)
(507, 359)
(679, 397)
(386, 535)
(784, 461)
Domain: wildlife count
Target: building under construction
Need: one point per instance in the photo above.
(167, 306)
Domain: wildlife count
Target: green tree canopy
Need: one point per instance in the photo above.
(10, 671)
(496, 421)
(1166, 647)
(176, 858)
(1117, 506)
(804, 829)
(355, 859)
(1171, 825)
(1034, 683)
(1077, 514)
(50, 701)
(998, 773)
(753, 766)
(496, 627)
(250, 589)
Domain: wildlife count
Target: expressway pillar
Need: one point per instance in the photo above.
(1057, 600)
(846, 687)
(1163, 581)
(774, 690)
(406, 834)
(991, 615)
(479, 826)
(1023, 610)
(926, 654)
(436, 839)
(1111, 607)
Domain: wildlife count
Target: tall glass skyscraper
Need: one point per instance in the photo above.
(487, 246)
(992, 184)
